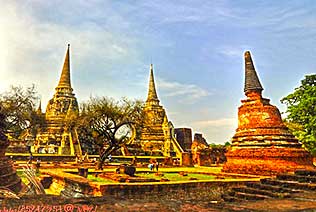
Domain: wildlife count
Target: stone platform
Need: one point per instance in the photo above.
(267, 161)
(72, 185)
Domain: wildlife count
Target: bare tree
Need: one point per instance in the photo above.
(111, 123)
(19, 112)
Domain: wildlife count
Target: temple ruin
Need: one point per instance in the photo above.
(262, 143)
(157, 133)
(8, 176)
(58, 137)
(184, 138)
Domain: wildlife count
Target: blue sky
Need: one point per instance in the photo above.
(196, 47)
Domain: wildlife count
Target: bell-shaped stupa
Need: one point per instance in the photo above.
(262, 143)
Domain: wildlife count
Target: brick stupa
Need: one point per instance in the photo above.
(262, 143)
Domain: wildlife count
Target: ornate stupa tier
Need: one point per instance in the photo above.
(64, 85)
(252, 82)
(152, 98)
(260, 124)
(262, 143)
(64, 98)
(64, 80)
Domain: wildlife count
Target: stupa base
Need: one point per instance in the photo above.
(267, 161)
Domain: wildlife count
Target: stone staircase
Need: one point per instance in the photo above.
(282, 186)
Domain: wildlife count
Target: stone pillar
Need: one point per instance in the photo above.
(184, 138)
(186, 159)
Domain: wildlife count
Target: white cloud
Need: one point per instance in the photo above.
(188, 93)
(188, 11)
(233, 51)
(216, 130)
(216, 122)
(280, 19)
(32, 49)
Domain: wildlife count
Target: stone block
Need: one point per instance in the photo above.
(83, 172)
(46, 181)
(186, 159)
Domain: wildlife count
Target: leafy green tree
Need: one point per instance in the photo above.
(107, 123)
(19, 112)
(301, 112)
(227, 144)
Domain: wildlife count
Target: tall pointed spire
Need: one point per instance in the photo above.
(65, 74)
(252, 82)
(152, 94)
(39, 109)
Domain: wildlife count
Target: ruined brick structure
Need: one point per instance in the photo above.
(8, 177)
(198, 137)
(200, 151)
(184, 138)
(262, 143)
(57, 138)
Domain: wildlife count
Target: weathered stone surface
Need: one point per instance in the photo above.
(76, 188)
(127, 169)
(157, 133)
(8, 177)
(57, 138)
(198, 137)
(187, 159)
(262, 143)
(184, 137)
(46, 180)
(203, 154)
(152, 134)
(83, 172)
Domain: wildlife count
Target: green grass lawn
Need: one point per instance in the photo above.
(169, 176)
(177, 176)
(186, 169)
(19, 172)
(170, 173)
(99, 179)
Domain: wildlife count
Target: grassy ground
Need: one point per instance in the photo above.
(23, 177)
(187, 169)
(166, 175)
(170, 173)
(176, 176)
(99, 179)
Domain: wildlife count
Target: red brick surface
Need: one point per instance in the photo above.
(262, 143)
